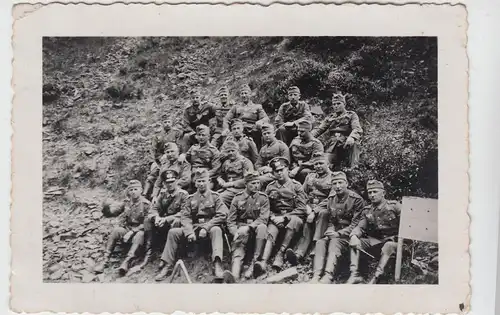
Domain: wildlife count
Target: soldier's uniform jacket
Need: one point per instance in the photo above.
(134, 213)
(195, 116)
(203, 210)
(169, 204)
(344, 213)
(269, 151)
(301, 151)
(287, 199)
(249, 114)
(248, 148)
(221, 112)
(207, 157)
(290, 113)
(317, 188)
(234, 171)
(249, 210)
(334, 130)
(380, 222)
(182, 168)
(160, 138)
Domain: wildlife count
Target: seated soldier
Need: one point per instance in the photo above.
(340, 132)
(288, 210)
(133, 211)
(317, 187)
(166, 209)
(248, 148)
(344, 208)
(203, 155)
(247, 220)
(252, 115)
(271, 149)
(196, 114)
(289, 114)
(203, 216)
(221, 110)
(231, 179)
(302, 149)
(170, 160)
(378, 226)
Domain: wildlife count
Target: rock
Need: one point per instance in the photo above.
(54, 268)
(89, 262)
(87, 276)
(77, 267)
(67, 235)
(89, 149)
(285, 275)
(57, 275)
(101, 277)
(96, 215)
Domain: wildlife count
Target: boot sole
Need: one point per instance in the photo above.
(258, 270)
(228, 277)
(291, 257)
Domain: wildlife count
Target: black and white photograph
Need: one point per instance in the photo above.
(248, 160)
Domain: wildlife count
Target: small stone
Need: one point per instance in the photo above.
(96, 215)
(54, 268)
(57, 275)
(87, 276)
(89, 262)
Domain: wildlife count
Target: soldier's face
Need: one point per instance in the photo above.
(134, 192)
(253, 186)
(293, 97)
(223, 98)
(201, 184)
(237, 130)
(196, 99)
(170, 185)
(281, 174)
(302, 132)
(376, 195)
(320, 167)
(202, 137)
(268, 136)
(172, 153)
(245, 96)
(167, 123)
(338, 106)
(339, 186)
(232, 153)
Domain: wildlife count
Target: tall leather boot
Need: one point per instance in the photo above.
(355, 277)
(278, 260)
(261, 266)
(259, 244)
(100, 267)
(218, 270)
(233, 275)
(384, 259)
(125, 265)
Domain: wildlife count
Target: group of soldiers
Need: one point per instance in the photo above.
(272, 191)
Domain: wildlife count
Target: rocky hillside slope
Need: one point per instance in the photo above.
(102, 98)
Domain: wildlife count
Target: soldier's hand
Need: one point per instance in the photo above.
(203, 233)
(220, 181)
(191, 237)
(225, 132)
(293, 172)
(310, 217)
(355, 242)
(182, 158)
(349, 142)
(289, 124)
(332, 234)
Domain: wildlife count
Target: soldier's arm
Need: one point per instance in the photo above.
(220, 216)
(227, 119)
(300, 201)
(358, 207)
(317, 148)
(232, 217)
(279, 120)
(155, 208)
(318, 131)
(189, 155)
(185, 175)
(186, 122)
(359, 229)
(264, 214)
(186, 219)
(258, 163)
(247, 167)
(216, 164)
(284, 151)
(262, 116)
(357, 131)
(252, 151)
(307, 113)
(306, 186)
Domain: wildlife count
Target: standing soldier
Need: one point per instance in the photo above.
(272, 148)
(288, 210)
(344, 208)
(289, 114)
(248, 217)
(340, 132)
(170, 160)
(166, 209)
(252, 115)
(302, 149)
(378, 226)
(317, 187)
(203, 154)
(130, 230)
(203, 216)
(196, 114)
(232, 172)
(221, 111)
(248, 148)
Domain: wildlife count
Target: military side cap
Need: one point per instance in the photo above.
(319, 156)
(170, 175)
(231, 145)
(374, 184)
(170, 146)
(293, 89)
(202, 128)
(134, 184)
(195, 92)
(338, 97)
(251, 176)
(236, 122)
(223, 90)
(278, 163)
(267, 126)
(339, 176)
(245, 87)
(201, 173)
(304, 123)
